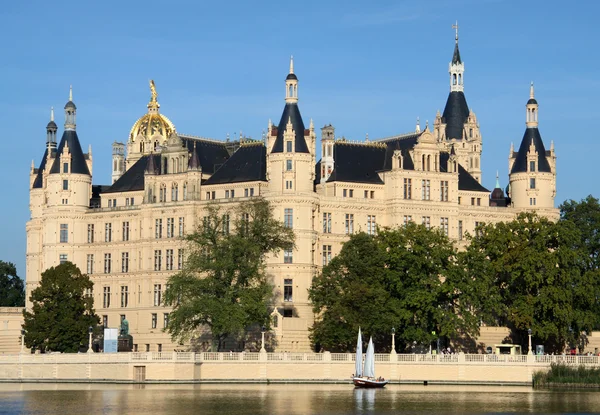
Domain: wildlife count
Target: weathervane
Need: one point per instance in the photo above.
(455, 26)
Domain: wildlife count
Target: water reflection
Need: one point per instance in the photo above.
(285, 399)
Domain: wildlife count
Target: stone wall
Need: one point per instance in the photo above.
(11, 320)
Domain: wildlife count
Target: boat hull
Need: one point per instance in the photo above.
(361, 382)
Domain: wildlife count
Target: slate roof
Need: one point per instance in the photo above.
(520, 164)
(455, 114)
(211, 154)
(78, 163)
(133, 178)
(291, 112)
(456, 55)
(39, 179)
(247, 164)
(468, 182)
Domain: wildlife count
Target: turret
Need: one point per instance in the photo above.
(118, 160)
(327, 157)
(532, 168)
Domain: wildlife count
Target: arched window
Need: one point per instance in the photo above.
(141, 147)
(459, 79)
(185, 186)
(291, 91)
(423, 162)
(428, 163)
(174, 192)
(453, 79)
(162, 197)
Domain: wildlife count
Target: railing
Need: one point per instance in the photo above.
(296, 358)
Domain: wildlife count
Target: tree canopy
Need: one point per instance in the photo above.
(536, 278)
(12, 289)
(223, 285)
(407, 278)
(61, 312)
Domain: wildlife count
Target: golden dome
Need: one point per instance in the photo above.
(153, 122)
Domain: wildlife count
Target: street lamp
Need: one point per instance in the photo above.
(262, 341)
(22, 340)
(393, 340)
(90, 331)
(530, 352)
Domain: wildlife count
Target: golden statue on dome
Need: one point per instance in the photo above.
(153, 101)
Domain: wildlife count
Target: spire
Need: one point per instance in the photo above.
(150, 166)
(70, 111)
(497, 181)
(532, 109)
(51, 113)
(194, 163)
(418, 126)
(292, 64)
(291, 85)
(456, 67)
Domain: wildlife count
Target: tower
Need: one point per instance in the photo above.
(458, 125)
(327, 143)
(532, 168)
(51, 129)
(70, 112)
(118, 160)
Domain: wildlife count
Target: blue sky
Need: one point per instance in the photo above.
(366, 67)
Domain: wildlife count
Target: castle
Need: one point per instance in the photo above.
(126, 235)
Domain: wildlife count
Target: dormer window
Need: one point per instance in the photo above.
(65, 167)
(288, 146)
(532, 166)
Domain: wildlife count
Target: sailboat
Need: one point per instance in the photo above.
(366, 378)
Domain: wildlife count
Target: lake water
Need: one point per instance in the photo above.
(287, 399)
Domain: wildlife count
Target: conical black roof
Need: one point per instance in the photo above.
(78, 163)
(456, 55)
(455, 115)
(291, 112)
(520, 164)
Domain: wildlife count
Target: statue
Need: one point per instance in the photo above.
(124, 328)
(153, 90)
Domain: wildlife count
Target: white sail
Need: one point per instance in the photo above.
(370, 361)
(358, 369)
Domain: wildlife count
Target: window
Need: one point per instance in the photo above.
(89, 293)
(472, 201)
(126, 231)
(90, 263)
(372, 194)
(460, 230)
(65, 185)
(288, 289)
(185, 191)
(226, 194)
(288, 218)
(225, 224)
(154, 318)
(326, 254)
(105, 321)
(158, 228)
(478, 201)
(207, 195)
(165, 320)
(326, 222)
(345, 192)
(62, 258)
(371, 225)
(157, 259)
(124, 296)
(65, 167)
(107, 232)
(531, 183)
(366, 194)
(288, 146)
(425, 190)
(232, 193)
(426, 220)
(349, 225)
(107, 263)
(106, 297)
(288, 165)
(444, 225)
(125, 262)
(289, 185)
(288, 312)
(408, 188)
(251, 191)
(351, 193)
(157, 295)
(90, 233)
(170, 227)
(169, 259)
(163, 193)
(532, 166)
(532, 201)
(245, 192)
(407, 218)
(459, 200)
(444, 190)
(181, 226)
(287, 256)
(174, 192)
(179, 258)
(64, 233)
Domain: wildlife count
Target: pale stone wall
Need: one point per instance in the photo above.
(275, 367)
(11, 321)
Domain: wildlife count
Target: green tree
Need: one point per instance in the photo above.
(61, 312)
(586, 217)
(12, 289)
(536, 276)
(407, 278)
(223, 285)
